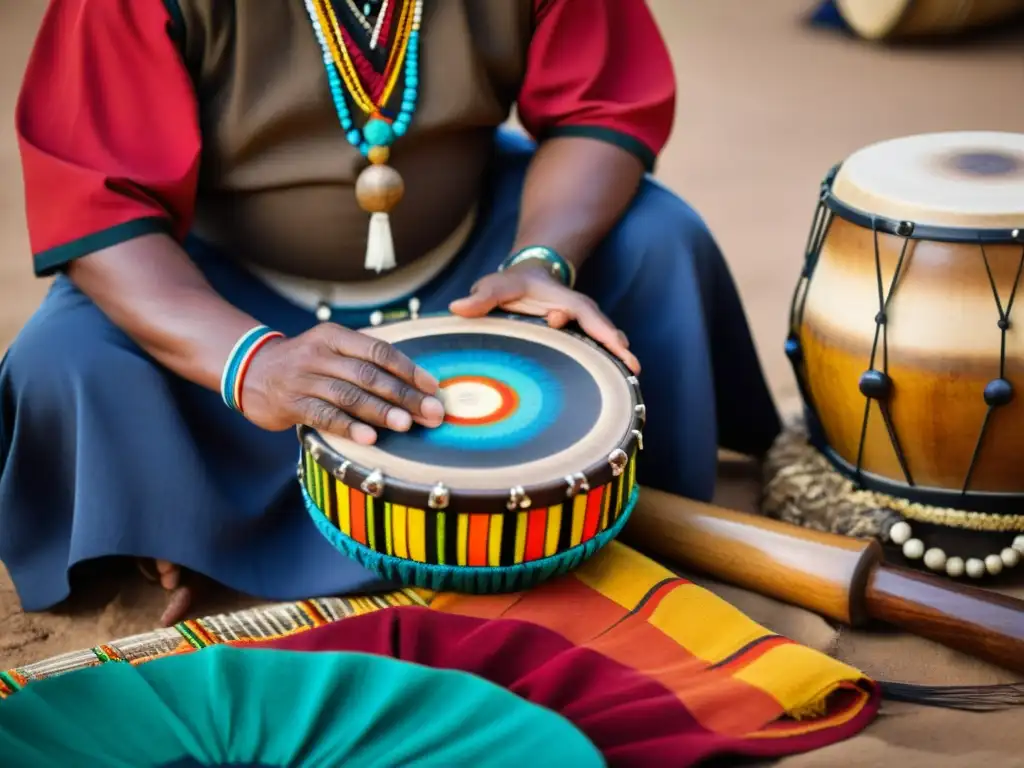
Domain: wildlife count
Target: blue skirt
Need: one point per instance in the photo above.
(104, 453)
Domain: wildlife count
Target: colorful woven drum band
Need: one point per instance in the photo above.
(533, 471)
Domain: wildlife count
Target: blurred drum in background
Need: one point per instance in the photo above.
(899, 19)
(905, 341)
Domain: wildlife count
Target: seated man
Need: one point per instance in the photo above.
(190, 170)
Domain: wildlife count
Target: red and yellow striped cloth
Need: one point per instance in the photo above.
(653, 668)
(734, 677)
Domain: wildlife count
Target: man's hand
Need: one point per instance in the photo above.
(529, 289)
(339, 381)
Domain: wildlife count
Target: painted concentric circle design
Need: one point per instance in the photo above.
(525, 404)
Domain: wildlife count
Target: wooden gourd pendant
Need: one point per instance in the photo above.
(379, 188)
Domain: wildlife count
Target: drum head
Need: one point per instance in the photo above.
(525, 405)
(873, 19)
(970, 180)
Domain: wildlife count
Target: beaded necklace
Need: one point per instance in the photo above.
(379, 187)
(376, 27)
(362, 18)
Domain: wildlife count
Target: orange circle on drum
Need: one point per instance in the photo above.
(474, 401)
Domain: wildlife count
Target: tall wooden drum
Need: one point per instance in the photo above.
(892, 19)
(905, 340)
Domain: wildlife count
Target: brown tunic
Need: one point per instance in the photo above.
(215, 116)
(277, 172)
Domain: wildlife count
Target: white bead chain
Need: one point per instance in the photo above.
(374, 30)
(935, 559)
(359, 17)
(377, 27)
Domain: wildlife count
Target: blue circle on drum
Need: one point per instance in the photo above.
(540, 398)
(559, 402)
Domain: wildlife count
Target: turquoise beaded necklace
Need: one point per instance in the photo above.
(379, 187)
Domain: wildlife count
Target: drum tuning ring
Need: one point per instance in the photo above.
(376, 318)
(633, 381)
(1016, 234)
(639, 439)
(300, 472)
(439, 497)
(577, 484)
(373, 485)
(905, 228)
(414, 308)
(618, 459)
(517, 499)
(342, 470)
(641, 411)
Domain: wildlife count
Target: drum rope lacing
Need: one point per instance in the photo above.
(999, 391)
(876, 386)
(820, 226)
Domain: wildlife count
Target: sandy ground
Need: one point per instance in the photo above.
(766, 107)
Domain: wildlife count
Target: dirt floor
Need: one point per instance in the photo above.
(766, 107)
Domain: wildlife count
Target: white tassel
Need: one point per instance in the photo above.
(380, 248)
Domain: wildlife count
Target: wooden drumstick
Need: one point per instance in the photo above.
(838, 577)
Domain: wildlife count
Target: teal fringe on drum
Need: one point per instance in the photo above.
(467, 579)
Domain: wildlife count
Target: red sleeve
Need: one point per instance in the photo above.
(108, 130)
(599, 68)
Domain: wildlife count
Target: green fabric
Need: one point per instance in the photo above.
(224, 706)
(610, 136)
(51, 261)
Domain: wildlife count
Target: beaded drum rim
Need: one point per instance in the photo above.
(438, 497)
(803, 487)
(437, 494)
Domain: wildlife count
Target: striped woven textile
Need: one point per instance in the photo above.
(264, 623)
(730, 684)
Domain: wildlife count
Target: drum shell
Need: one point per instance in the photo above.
(904, 19)
(943, 347)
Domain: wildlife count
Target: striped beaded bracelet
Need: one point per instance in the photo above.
(238, 362)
